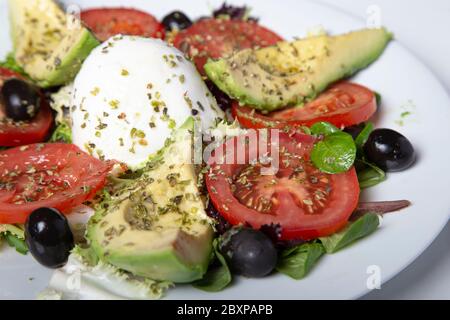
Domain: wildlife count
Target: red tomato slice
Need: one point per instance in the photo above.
(306, 202)
(56, 175)
(214, 38)
(24, 132)
(107, 22)
(343, 104)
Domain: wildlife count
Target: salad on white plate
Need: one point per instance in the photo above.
(139, 154)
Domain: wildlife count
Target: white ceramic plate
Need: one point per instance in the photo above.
(405, 85)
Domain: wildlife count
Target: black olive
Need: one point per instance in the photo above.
(49, 238)
(222, 98)
(176, 20)
(249, 252)
(389, 150)
(20, 99)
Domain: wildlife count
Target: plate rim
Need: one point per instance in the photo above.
(417, 61)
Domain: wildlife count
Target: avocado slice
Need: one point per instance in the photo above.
(48, 44)
(292, 73)
(157, 227)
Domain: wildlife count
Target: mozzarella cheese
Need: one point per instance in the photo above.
(131, 93)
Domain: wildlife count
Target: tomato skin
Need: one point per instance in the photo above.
(214, 38)
(25, 132)
(355, 104)
(107, 22)
(296, 222)
(56, 175)
(6, 74)
(336, 225)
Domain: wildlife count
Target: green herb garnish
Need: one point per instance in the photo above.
(336, 153)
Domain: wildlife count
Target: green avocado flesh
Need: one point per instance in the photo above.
(292, 73)
(156, 226)
(48, 44)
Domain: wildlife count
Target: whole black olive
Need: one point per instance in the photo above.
(21, 100)
(389, 150)
(176, 20)
(249, 252)
(49, 238)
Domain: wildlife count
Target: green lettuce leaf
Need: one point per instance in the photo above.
(17, 243)
(369, 174)
(14, 236)
(352, 232)
(11, 64)
(298, 261)
(363, 136)
(218, 277)
(86, 255)
(13, 229)
(62, 133)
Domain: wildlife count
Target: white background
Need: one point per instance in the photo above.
(422, 26)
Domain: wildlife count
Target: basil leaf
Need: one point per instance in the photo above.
(218, 277)
(297, 262)
(11, 64)
(362, 137)
(336, 153)
(324, 128)
(62, 133)
(352, 232)
(369, 174)
(17, 243)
